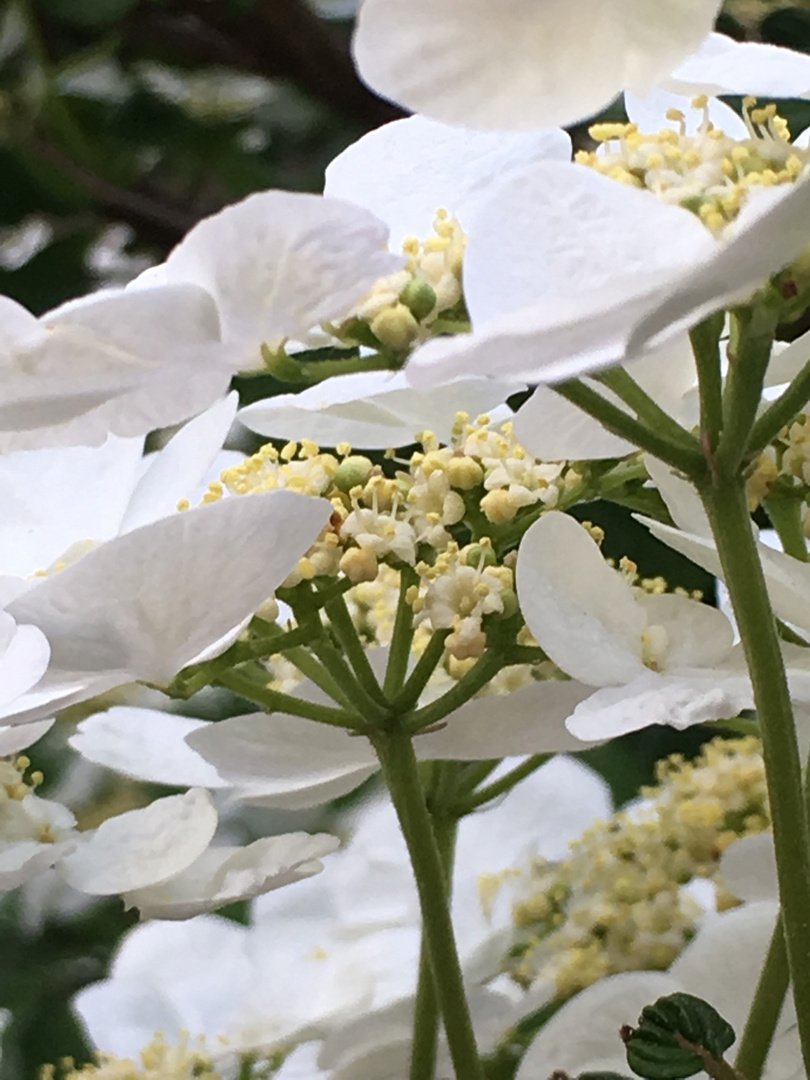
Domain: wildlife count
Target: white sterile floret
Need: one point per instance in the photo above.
(278, 264)
(380, 531)
(521, 66)
(115, 362)
(571, 268)
(659, 658)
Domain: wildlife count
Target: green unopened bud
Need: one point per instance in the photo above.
(510, 603)
(419, 298)
(480, 555)
(352, 472)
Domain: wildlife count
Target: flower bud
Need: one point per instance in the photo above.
(419, 298)
(395, 327)
(352, 472)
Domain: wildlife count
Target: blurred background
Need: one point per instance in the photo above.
(122, 123)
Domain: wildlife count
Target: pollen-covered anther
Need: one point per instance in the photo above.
(359, 564)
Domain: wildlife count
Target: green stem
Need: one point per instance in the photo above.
(425, 666)
(475, 773)
(501, 786)
(402, 636)
(725, 503)
(401, 774)
(475, 679)
(787, 406)
(705, 339)
(346, 633)
(767, 1004)
(340, 671)
(749, 353)
(426, 1011)
(648, 411)
(616, 420)
(311, 668)
(275, 701)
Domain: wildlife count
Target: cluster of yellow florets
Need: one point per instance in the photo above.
(158, 1061)
(401, 308)
(618, 903)
(707, 172)
(24, 816)
(786, 461)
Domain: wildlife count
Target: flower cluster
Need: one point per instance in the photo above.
(158, 1061)
(619, 902)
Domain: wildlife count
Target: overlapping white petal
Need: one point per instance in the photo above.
(656, 659)
(521, 65)
(722, 66)
(116, 362)
(376, 409)
(280, 263)
(403, 172)
(148, 603)
(568, 271)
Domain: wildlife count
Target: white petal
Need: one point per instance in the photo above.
(143, 847)
(177, 470)
(27, 859)
(55, 497)
(403, 172)
(22, 664)
(374, 409)
(511, 66)
(14, 739)
(683, 501)
(679, 700)
(530, 720)
(279, 263)
(223, 875)
(558, 290)
(148, 602)
(284, 756)
(723, 66)
(584, 1034)
(146, 744)
(554, 430)
(748, 868)
(580, 610)
(697, 635)
(723, 962)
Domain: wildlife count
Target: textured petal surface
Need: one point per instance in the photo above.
(279, 263)
(22, 663)
(223, 875)
(148, 602)
(374, 410)
(580, 610)
(748, 868)
(521, 65)
(146, 744)
(723, 66)
(143, 847)
(405, 171)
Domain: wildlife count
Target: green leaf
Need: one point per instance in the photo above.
(88, 13)
(677, 1037)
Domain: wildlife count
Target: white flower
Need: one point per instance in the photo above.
(664, 659)
(277, 265)
(285, 761)
(521, 65)
(119, 362)
(568, 271)
(346, 943)
(55, 500)
(146, 604)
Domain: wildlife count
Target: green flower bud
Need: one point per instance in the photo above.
(419, 298)
(352, 472)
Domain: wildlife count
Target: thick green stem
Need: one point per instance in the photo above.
(426, 1010)
(768, 1001)
(340, 671)
(275, 701)
(725, 503)
(501, 786)
(401, 774)
(311, 668)
(705, 339)
(749, 352)
(402, 636)
(688, 460)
